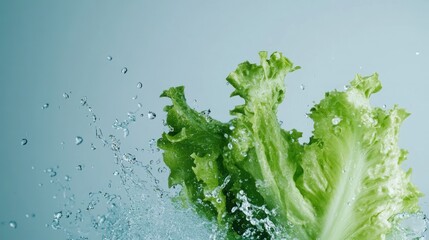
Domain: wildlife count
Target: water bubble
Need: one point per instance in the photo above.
(78, 140)
(13, 224)
(124, 70)
(336, 120)
(45, 106)
(302, 87)
(24, 141)
(139, 85)
(109, 58)
(151, 115)
(66, 95)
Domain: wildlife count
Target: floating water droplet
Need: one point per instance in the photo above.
(58, 215)
(135, 97)
(94, 118)
(83, 101)
(45, 106)
(79, 167)
(126, 132)
(139, 105)
(124, 70)
(336, 120)
(128, 157)
(229, 146)
(78, 140)
(24, 141)
(151, 115)
(13, 224)
(139, 85)
(93, 147)
(417, 53)
(302, 87)
(40, 184)
(115, 173)
(109, 58)
(231, 127)
(346, 87)
(384, 106)
(66, 95)
(67, 178)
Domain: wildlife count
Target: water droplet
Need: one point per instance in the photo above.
(13, 224)
(336, 120)
(124, 70)
(93, 147)
(231, 127)
(139, 85)
(79, 167)
(229, 146)
(45, 106)
(384, 106)
(346, 87)
(139, 105)
(78, 140)
(67, 178)
(128, 157)
(66, 95)
(24, 141)
(151, 115)
(417, 53)
(58, 215)
(83, 101)
(302, 87)
(115, 173)
(40, 184)
(109, 58)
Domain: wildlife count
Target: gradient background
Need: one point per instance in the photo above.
(51, 47)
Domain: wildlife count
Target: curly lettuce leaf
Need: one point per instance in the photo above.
(258, 181)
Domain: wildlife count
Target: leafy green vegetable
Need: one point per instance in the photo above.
(259, 182)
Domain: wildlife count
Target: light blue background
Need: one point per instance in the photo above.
(51, 47)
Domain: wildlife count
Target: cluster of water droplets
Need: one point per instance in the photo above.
(143, 209)
(265, 223)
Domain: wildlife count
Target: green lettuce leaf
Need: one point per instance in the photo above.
(259, 182)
